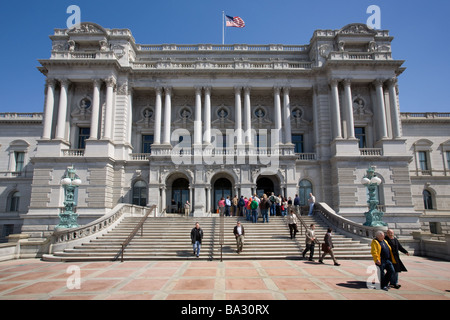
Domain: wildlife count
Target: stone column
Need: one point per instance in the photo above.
(247, 115)
(396, 123)
(110, 83)
(95, 109)
(49, 106)
(62, 111)
(238, 112)
(158, 114)
(287, 116)
(198, 116)
(277, 112)
(348, 105)
(207, 116)
(381, 109)
(167, 114)
(335, 110)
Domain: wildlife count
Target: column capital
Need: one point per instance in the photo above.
(392, 81)
(286, 89)
(158, 90)
(276, 89)
(347, 82)
(207, 90)
(247, 89)
(64, 82)
(110, 82)
(97, 82)
(168, 90)
(378, 82)
(50, 82)
(334, 81)
(237, 89)
(198, 89)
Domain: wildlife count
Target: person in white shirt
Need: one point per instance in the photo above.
(311, 201)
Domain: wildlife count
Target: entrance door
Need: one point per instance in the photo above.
(264, 185)
(222, 188)
(140, 193)
(180, 194)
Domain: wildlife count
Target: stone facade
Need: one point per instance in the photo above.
(162, 124)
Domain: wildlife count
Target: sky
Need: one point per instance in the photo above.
(419, 28)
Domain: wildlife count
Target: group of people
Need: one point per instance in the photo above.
(267, 206)
(385, 252)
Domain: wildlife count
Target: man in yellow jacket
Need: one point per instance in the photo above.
(383, 258)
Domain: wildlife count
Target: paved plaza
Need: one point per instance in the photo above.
(34, 279)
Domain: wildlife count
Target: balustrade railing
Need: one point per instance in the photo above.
(350, 227)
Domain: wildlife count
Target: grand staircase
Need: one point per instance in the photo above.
(168, 238)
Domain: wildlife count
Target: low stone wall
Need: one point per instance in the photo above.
(429, 247)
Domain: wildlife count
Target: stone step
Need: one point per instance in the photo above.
(169, 238)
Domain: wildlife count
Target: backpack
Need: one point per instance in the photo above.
(254, 204)
(241, 203)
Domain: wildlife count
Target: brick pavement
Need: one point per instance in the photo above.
(260, 280)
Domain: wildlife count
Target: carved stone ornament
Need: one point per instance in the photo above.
(357, 28)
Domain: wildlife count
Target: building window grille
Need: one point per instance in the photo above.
(297, 140)
(360, 134)
(83, 135)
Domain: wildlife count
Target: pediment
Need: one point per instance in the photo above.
(88, 28)
(357, 29)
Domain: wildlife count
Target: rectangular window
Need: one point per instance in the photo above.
(360, 134)
(83, 135)
(423, 160)
(297, 140)
(147, 141)
(20, 159)
(261, 140)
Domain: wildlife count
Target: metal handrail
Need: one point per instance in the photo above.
(140, 225)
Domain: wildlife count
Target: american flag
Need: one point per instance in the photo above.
(235, 22)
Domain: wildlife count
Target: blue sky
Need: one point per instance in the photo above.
(419, 28)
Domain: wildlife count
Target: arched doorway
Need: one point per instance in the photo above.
(140, 193)
(264, 185)
(180, 194)
(305, 188)
(222, 188)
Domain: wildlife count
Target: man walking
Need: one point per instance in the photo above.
(310, 238)
(196, 238)
(239, 233)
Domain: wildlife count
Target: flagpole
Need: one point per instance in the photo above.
(223, 27)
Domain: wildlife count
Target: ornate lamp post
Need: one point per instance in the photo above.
(68, 218)
(374, 218)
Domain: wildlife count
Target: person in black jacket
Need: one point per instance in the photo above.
(398, 266)
(328, 248)
(196, 237)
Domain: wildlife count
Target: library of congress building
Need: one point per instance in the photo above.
(165, 124)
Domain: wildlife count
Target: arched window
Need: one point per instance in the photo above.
(305, 188)
(14, 202)
(140, 193)
(427, 200)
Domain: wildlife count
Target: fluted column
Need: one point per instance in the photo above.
(238, 112)
(62, 111)
(95, 109)
(207, 115)
(167, 114)
(49, 107)
(198, 116)
(277, 112)
(247, 115)
(158, 114)
(396, 124)
(348, 105)
(110, 83)
(381, 109)
(287, 116)
(335, 111)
